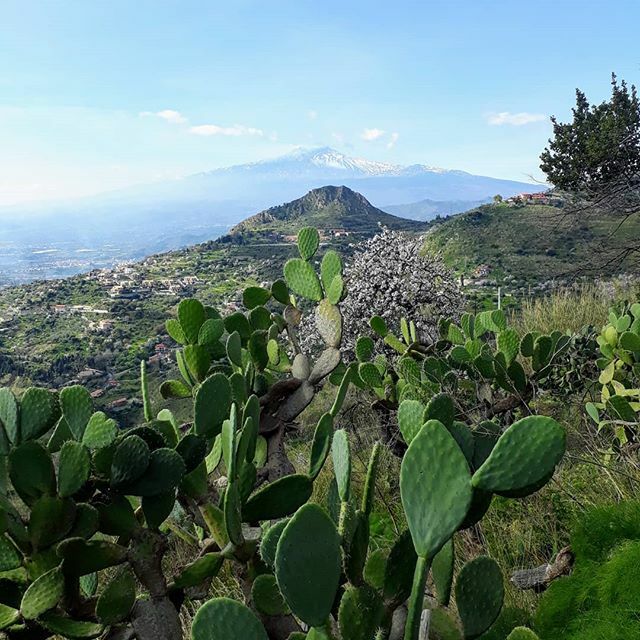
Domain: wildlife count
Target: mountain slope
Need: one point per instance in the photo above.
(430, 209)
(529, 244)
(326, 208)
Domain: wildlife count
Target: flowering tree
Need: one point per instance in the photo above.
(392, 277)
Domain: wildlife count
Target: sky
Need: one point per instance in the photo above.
(97, 95)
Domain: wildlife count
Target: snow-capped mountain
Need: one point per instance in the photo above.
(325, 162)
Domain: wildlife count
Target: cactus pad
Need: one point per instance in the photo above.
(479, 595)
(31, 471)
(69, 628)
(9, 415)
(255, 297)
(101, 431)
(341, 457)
(73, 468)
(308, 242)
(165, 472)
(441, 408)
(211, 331)
(51, 519)
(42, 594)
(191, 315)
(435, 488)
(321, 445)
(117, 599)
(212, 405)
(280, 291)
(81, 557)
(410, 419)
(329, 323)
(308, 562)
(442, 572)
(77, 408)
(269, 542)
(39, 411)
(360, 613)
(370, 375)
(522, 633)
(226, 619)
(527, 452)
(302, 279)
(130, 460)
(266, 596)
(278, 499)
(207, 566)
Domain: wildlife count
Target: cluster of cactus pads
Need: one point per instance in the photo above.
(88, 509)
(618, 407)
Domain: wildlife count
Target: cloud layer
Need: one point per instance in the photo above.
(514, 119)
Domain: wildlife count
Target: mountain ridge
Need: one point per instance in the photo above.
(327, 207)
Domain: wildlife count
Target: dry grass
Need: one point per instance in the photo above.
(571, 309)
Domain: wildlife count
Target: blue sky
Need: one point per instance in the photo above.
(96, 95)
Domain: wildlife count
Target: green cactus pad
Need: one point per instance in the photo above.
(370, 375)
(329, 323)
(399, 570)
(308, 564)
(8, 616)
(206, 566)
(42, 594)
(522, 633)
(74, 467)
(479, 595)
(410, 419)
(226, 619)
(364, 348)
(335, 291)
(158, 508)
(360, 613)
(441, 408)
(191, 315)
(81, 557)
(442, 572)
(174, 389)
(542, 350)
(9, 557)
(117, 517)
(508, 342)
(117, 599)
(355, 542)
(464, 437)
(527, 452)
(211, 331)
(164, 473)
(255, 297)
(212, 405)
(278, 499)
(379, 326)
(9, 415)
(101, 431)
(630, 341)
(260, 319)
(232, 514)
(31, 471)
(238, 322)
(174, 329)
(86, 522)
(198, 361)
(321, 445)
(330, 267)
(69, 628)
(39, 412)
(269, 542)
(308, 242)
(130, 461)
(258, 350)
(341, 457)
(51, 519)
(266, 596)
(77, 407)
(280, 291)
(302, 279)
(435, 487)
(192, 449)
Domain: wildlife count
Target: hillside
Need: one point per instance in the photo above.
(431, 209)
(527, 245)
(327, 208)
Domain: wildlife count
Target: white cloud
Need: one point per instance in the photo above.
(392, 140)
(372, 134)
(312, 115)
(515, 119)
(170, 115)
(216, 130)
